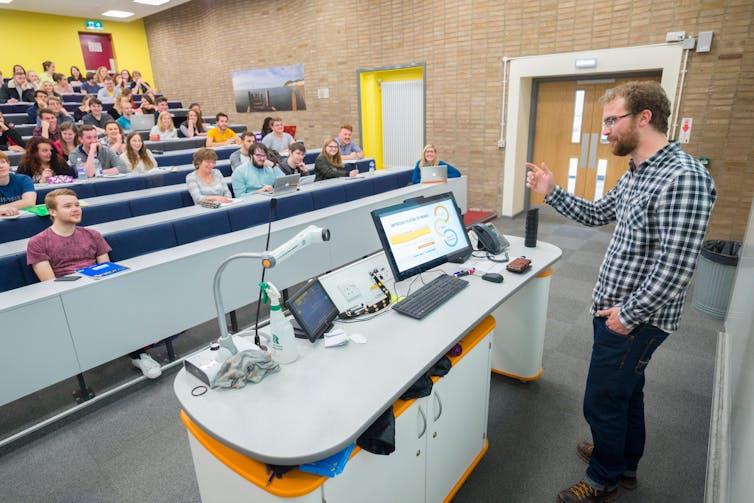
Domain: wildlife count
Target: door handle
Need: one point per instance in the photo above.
(593, 151)
(439, 407)
(424, 422)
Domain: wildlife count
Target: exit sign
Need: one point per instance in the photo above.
(94, 25)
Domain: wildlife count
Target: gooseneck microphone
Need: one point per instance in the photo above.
(273, 205)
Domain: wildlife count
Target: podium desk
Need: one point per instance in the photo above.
(321, 403)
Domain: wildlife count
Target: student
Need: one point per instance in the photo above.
(9, 137)
(48, 125)
(138, 84)
(96, 117)
(76, 78)
(95, 156)
(266, 128)
(42, 161)
(80, 111)
(17, 89)
(254, 177)
(126, 112)
(193, 126)
(137, 157)
(125, 80)
(61, 85)
(48, 70)
(164, 129)
(162, 106)
(101, 74)
(55, 104)
(206, 183)
(40, 101)
(278, 139)
(430, 158)
(221, 134)
(148, 105)
(114, 138)
(68, 140)
(16, 191)
(329, 163)
(33, 79)
(661, 207)
(348, 149)
(90, 86)
(64, 247)
(48, 87)
(109, 93)
(242, 155)
(294, 163)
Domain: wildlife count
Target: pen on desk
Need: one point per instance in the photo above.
(467, 272)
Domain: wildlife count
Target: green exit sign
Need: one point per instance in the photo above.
(94, 25)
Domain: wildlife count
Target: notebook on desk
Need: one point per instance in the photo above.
(284, 185)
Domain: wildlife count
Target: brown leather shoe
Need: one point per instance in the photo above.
(584, 450)
(584, 493)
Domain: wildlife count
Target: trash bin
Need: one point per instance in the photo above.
(715, 274)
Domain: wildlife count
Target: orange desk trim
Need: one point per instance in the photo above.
(520, 378)
(468, 471)
(547, 272)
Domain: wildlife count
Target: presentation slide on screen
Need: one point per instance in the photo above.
(424, 233)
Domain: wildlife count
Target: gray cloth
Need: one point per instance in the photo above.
(249, 365)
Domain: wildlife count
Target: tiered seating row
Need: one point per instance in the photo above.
(14, 273)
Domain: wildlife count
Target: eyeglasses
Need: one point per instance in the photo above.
(332, 146)
(261, 156)
(610, 121)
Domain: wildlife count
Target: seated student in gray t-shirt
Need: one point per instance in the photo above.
(278, 140)
(94, 156)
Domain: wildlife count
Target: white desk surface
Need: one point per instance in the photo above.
(317, 405)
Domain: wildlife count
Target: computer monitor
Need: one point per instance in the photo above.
(422, 233)
(313, 309)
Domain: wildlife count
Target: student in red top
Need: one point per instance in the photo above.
(64, 247)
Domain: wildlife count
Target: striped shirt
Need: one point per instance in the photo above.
(661, 209)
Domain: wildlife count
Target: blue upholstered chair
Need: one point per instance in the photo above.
(294, 204)
(107, 212)
(154, 204)
(248, 215)
(328, 196)
(212, 223)
(357, 189)
(134, 242)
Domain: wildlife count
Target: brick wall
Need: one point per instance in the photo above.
(195, 46)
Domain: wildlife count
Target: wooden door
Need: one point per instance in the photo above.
(97, 49)
(568, 137)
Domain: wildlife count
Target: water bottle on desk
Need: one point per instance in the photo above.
(371, 168)
(80, 170)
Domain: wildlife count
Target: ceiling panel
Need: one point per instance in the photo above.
(90, 9)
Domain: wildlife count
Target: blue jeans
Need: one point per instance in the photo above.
(614, 399)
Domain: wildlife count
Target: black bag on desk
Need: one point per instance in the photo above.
(379, 438)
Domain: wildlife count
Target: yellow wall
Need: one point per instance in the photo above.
(30, 38)
(371, 105)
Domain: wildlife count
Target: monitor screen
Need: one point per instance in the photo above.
(313, 309)
(422, 233)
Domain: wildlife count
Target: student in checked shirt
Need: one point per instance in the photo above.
(661, 207)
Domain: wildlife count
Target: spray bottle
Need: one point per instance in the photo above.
(283, 341)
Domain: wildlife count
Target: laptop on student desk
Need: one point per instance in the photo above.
(307, 179)
(284, 185)
(434, 174)
(142, 122)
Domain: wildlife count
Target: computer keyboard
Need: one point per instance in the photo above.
(431, 296)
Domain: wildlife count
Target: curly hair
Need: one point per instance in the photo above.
(644, 95)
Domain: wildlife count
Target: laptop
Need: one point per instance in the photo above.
(306, 180)
(284, 185)
(142, 122)
(434, 174)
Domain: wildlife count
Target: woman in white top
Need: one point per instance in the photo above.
(164, 129)
(137, 156)
(206, 183)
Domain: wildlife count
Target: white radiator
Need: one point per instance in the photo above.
(402, 122)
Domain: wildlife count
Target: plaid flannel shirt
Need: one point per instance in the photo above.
(662, 208)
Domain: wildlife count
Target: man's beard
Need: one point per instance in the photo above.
(626, 142)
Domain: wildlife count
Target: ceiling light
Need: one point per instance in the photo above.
(6, 1)
(152, 2)
(117, 13)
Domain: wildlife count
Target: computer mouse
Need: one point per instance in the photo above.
(494, 277)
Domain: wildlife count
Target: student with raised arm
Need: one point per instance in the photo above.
(661, 206)
(206, 183)
(16, 191)
(254, 177)
(64, 247)
(278, 139)
(95, 156)
(221, 134)
(329, 163)
(348, 149)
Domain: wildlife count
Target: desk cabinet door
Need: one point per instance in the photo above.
(457, 420)
(398, 477)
